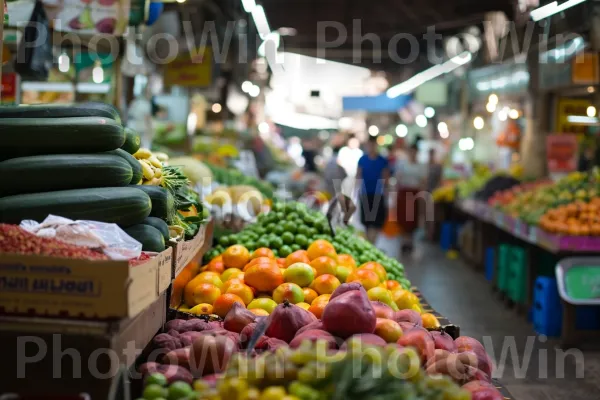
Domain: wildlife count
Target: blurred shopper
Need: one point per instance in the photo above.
(372, 175)
(434, 172)
(411, 179)
(139, 117)
(334, 174)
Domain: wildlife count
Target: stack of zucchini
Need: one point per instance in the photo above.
(76, 162)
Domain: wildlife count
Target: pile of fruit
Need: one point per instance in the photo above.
(233, 177)
(444, 194)
(507, 198)
(357, 348)
(574, 219)
(50, 167)
(291, 226)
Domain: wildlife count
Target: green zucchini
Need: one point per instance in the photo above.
(136, 168)
(132, 141)
(163, 202)
(38, 136)
(37, 174)
(90, 109)
(158, 224)
(150, 237)
(125, 206)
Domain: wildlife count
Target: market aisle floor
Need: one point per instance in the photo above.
(462, 294)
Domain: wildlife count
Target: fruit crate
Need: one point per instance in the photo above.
(517, 275)
(502, 269)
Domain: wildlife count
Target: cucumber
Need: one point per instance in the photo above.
(158, 224)
(163, 203)
(38, 136)
(38, 174)
(90, 109)
(125, 206)
(132, 141)
(150, 237)
(133, 163)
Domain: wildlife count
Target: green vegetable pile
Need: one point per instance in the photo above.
(231, 177)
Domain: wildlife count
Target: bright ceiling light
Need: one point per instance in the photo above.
(478, 123)
(513, 114)
(429, 112)
(553, 8)
(345, 123)
(503, 115)
(263, 127)
(421, 121)
(216, 108)
(373, 130)
(429, 74)
(591, 111)
(493, 99)
(443, 130)
(490, 107)
(580, 119)
(64, 63)
(254, 91)
(98, 74)
(246, 86)
(591, 89)
(466, 144)
(248, 5)
(260, 20)
(401, 130)
(272, 41)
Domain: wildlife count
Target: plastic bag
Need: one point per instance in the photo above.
(113, 241)
(34, 54)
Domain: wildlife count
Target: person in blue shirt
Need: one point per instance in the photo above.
(372, 177)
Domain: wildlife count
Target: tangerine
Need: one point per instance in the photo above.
(324, 265)
(300, 273)
(208, 277)
(430, 321)
(264, 304)
(236, 256)
(303, 305)
(346, 260)
(202, 309)
(309, 295)
(215, 266)
(263, 252)
(321, 248)
(232, 273)
(260, 260)
(325, 284)
(288, 291)
(342, 272)
(230, 282)
(318, 305)
(404, 299)
(281, 262)
(204, 293)
(391, 285)
(241, 290)
(377, 268)
(365, 277)
(388, 330)
(263, 277)
(300, 256)
(224, 303)
(259, 312)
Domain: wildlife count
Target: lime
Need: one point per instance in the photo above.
(303, 230)
(179, 390)
(285, 251)
(278, 206)
(156, 379)
(292, 216)
(312, 232)
(251, 245)
(309, 220)
(271, 227)
(275, 243)
(301, 240)
(275, 253)
(290, 226)
(224, 241)
(280, 216)
(279, 229)
(154, 391)
(261, 230)
(287, 237)
(262, 242)
(296, 247)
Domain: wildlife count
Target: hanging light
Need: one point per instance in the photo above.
(513, 114)
(493, 99)
(478, 123)
(254, 91)
(429, 112)
(401, 130)
(591, 111)
(373, 130)
(263, 127)
(503, 114)
(64, 63)
(246, 86)
(216, 108)
(421, 121)
(443, 130)
(491, 107)
(98, 73)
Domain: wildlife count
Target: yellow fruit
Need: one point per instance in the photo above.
(231, 273)
(430, 321)
(264, 304)
(202, 309)
(273, 393)
(304, 305)
(404, 299)
(380, 294)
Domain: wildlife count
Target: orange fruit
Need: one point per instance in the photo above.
(365, 277)
(319, 304)
(430, 321)
(232, 273)
(324, 265)
(230, 282)
(236, 256)
(309, 295)
(281, 262)
(288, 291)
(259, 312)
(380, 294)
(300, 256)
(215, 266)
(264, 304)
(204, 293)
(241, 290)
(321, 248)
(404, 299)
(224, 303)
(325, 284)
(391, 285)
(217, 259)
(388, 330)
(306, 306)
(300, 273)
(346, 260)
(260, 260)
(263, 277)
(342, 272)
(202, 309)
(263, 252)
(377, 268)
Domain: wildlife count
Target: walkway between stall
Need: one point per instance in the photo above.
(462, 294)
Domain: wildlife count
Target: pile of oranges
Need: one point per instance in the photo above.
(574, 219)
(259, 281)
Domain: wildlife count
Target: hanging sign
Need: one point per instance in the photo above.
(87, 17)
(190, 70)
(570, 108)
(585, 69)
(561, 153)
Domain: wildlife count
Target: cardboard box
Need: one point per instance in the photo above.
(184, 252)
(69, 288)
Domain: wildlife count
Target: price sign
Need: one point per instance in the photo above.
(579, 280)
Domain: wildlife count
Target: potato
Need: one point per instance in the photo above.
(166, 341)
(179, 357)
(173, 373)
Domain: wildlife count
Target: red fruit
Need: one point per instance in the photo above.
(487, 394)
(420, 340)
(211, 354)
(408, 316)
(270, 344)
(475, 374)
(382, 310)
(346, 287)
(235, 337)
(466, 343)
(188, 338)
(443, 341)
(314, 335)
(237, 318)
(349, 314)
(173, 373)
(246, 334)
(484, 362)
(409, 326)
(286, 319)
(366, 339)
(317, 325)
(476, 385)
(179, 357)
